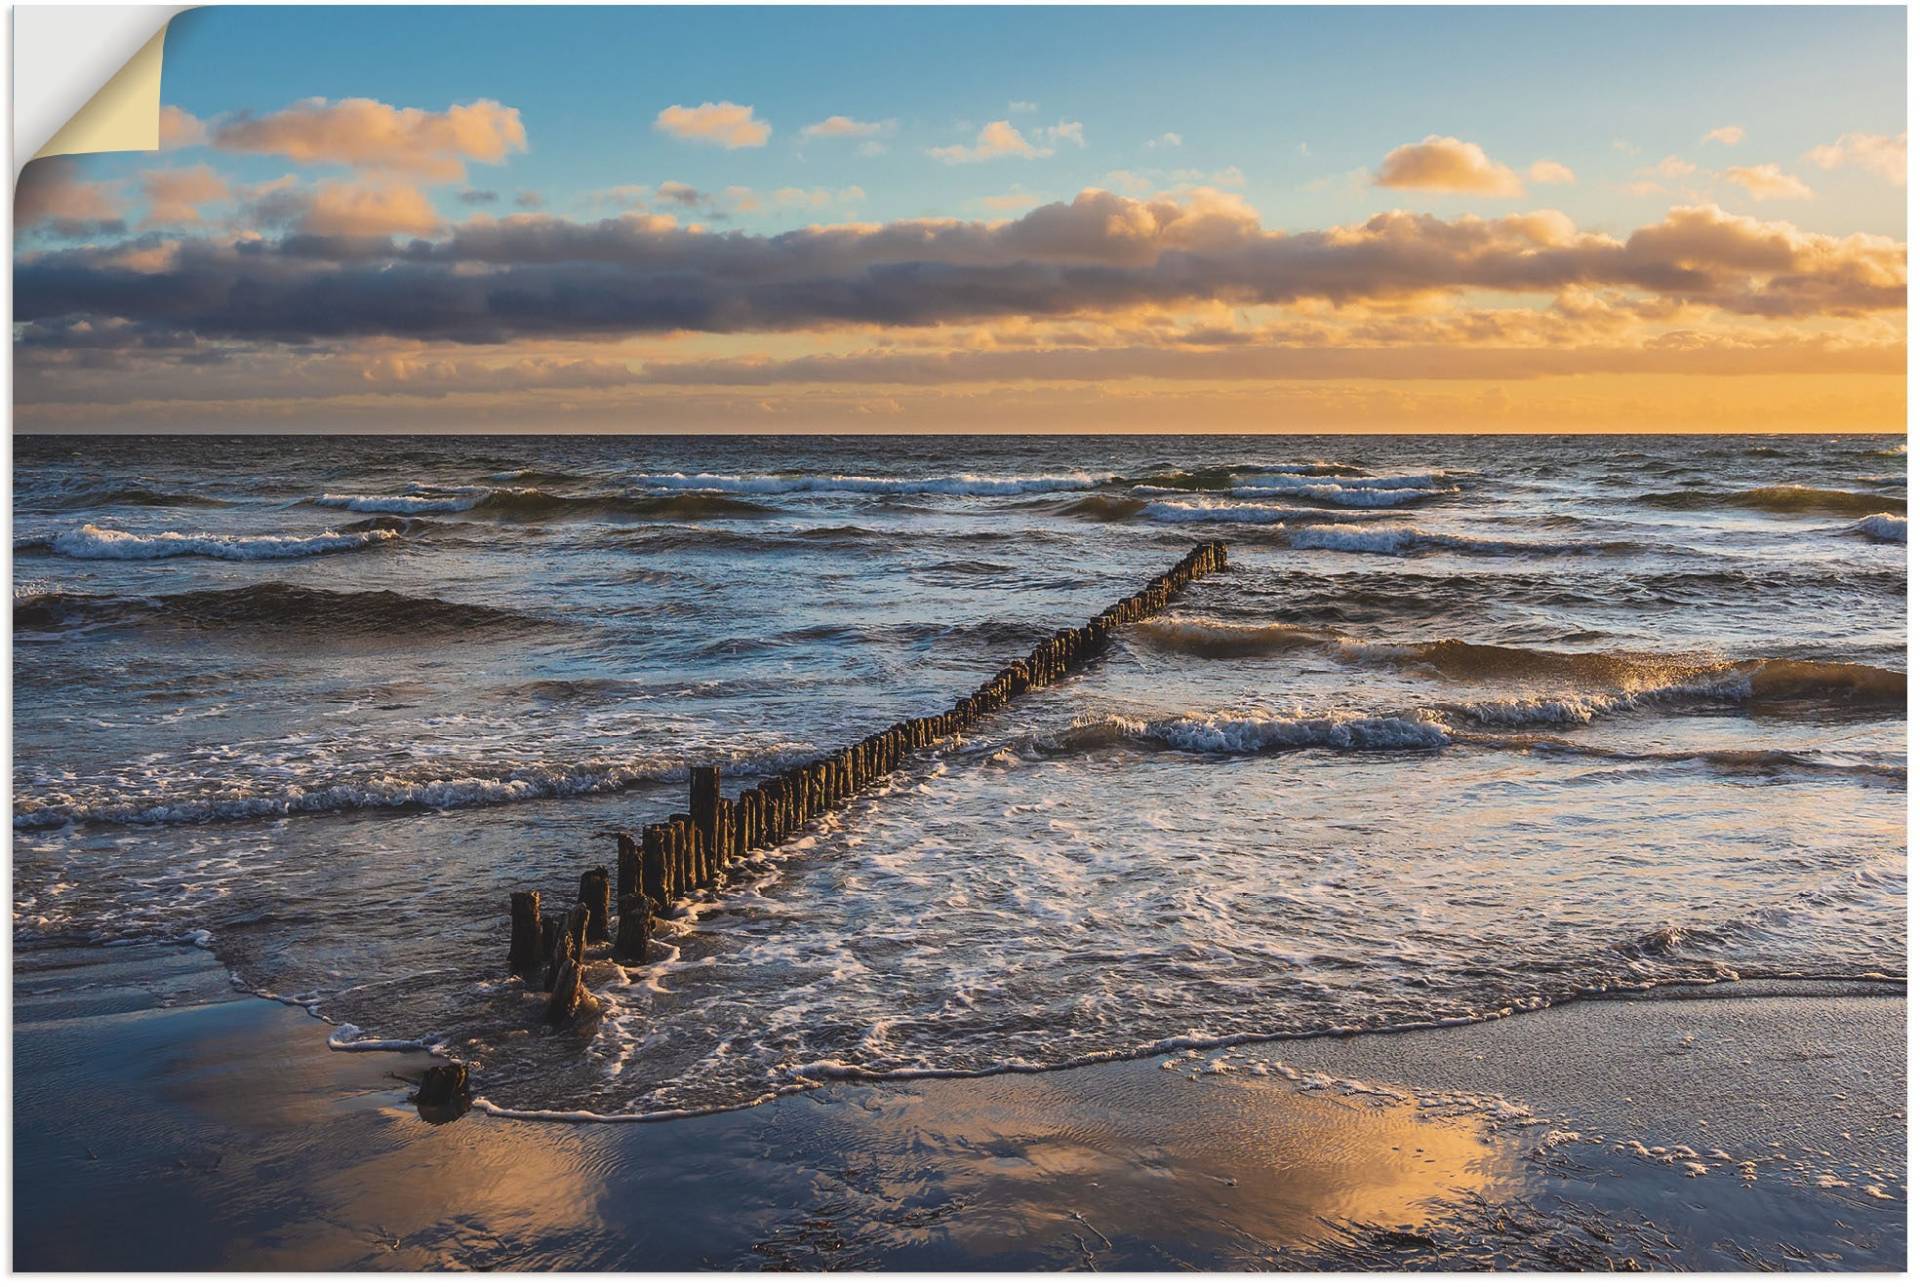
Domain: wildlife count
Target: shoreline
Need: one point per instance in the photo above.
(1399, 1149)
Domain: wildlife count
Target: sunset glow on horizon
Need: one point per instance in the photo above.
(947, 221)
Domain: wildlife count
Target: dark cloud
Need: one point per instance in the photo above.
(492, 280)
(477, 197)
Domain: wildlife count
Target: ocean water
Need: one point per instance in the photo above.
(1470, 726)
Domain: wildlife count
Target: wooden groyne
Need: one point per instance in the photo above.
(670, 860)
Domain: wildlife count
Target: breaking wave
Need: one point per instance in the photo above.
(1358, 493)
(1405, 539)
(1627, 677)
(91, 541)
(1214, 511)
(1888, 529)
(953, 485)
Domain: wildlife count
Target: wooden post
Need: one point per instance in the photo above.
(569, 943)
(523, 948)
(594, 896)
(704, 806)
(444, 1093)
(636, 927)
(654, 880)
(627, 883)
(723, 846)
(569, 986)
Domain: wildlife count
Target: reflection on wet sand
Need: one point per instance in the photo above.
(296, 1157)
(228, 1116)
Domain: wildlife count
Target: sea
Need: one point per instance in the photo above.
(1469, 726)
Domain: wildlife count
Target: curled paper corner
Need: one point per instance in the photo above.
(87, 78)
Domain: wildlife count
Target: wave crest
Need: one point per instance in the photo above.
(1888, 529)
(91, 541)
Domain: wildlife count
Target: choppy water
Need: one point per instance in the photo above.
(1471, 724)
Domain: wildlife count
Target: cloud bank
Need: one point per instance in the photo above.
(333, 276)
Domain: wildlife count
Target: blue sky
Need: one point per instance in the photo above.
(1605, 91)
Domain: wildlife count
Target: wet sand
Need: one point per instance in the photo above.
(164, 1121)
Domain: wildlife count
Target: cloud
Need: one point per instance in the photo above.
(352, 211)
(174, 197)
(1549, 172)
(1767, 182)
(1000, 139)
(1065, 132)
(52, 197)
(528, 199)
(1021, 107)
(477, 197)
(524, 276)
(724, 124)
(1672, 167)
(845, 127)
(180, 128)
(371, 135)
(1169, 139)
(1443, 164)
(1881, 154)
(1727, 134)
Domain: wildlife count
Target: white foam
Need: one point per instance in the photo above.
(91, 541)
(1214, 511)
(1584, 708)
(349, 1037)
(1360, 493)
(1888, 528)
(1406, 539)
(954, 485)
(1263, 731)
(410, 504)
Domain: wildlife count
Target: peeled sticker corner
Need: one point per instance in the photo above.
(57, 59)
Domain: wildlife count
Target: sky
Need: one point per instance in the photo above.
(736, 219)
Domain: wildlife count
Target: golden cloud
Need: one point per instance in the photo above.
(727, 125)
(1881, 154)
(1444, 164)
(1767, 182)
(845, 127)
(174, 197)
(354, 210)
(371, 135)
(1002, 139)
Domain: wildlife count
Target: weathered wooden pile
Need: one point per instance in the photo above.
(691, 851)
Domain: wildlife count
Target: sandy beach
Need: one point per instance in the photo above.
(166, 1121)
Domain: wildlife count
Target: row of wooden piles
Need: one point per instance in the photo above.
(670, 861)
